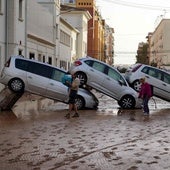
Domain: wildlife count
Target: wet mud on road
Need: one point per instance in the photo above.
(35, 135)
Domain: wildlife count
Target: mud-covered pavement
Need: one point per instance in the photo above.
(37, 136)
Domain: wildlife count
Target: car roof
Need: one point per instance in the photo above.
(156, 68)
(143, 65)
(37, 61)
(94, 59)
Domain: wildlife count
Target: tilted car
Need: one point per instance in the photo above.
(159, 79)
(21, 74)
(106, 79)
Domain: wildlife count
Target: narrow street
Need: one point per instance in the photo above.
(35, 135)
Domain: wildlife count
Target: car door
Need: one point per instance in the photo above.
(38, 77)
(113, 83)
(95, 74)
(56, 89)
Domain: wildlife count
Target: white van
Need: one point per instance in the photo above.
(21, 74)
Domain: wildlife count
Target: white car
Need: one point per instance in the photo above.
(106, 79)
(21, 74)
(159, 79)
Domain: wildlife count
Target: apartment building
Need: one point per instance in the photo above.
(109, 45)
(159, 48)
(68, 44)
(32, 29)
(25, 32)
(96, 43)
(77, 18)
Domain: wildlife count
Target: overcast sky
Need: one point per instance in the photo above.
(132, 20)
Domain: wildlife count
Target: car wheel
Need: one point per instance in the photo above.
(80, 103)
(136, 85)
(127, 102)
(82, 76)
(16, 85)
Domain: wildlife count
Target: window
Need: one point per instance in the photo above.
(0, 7)
(98, 66)
(35, 68)
(145, 70)
(20, 9)
(153, 73)
(40, 69)
(56, 31)
(49, 60)
(43, 58)
(65, 38)
(89, 63)
(21, 64)
(57, 75)
(115, 75)
(39, 57)
(19, 52)
(63, 64)
(32, 56)
(166, 78)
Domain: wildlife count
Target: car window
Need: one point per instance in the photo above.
(57, 75)
(89, 62)
(22, 64)
(98, 66)
(40, 69)
(145, 70)
(166, 78)
(154, 73)
(115, 75)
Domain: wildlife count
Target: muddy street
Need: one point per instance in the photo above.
(35, 135)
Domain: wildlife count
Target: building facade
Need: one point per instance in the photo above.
(78, 18)
(96, 42)
(159, 44)
(32, 29)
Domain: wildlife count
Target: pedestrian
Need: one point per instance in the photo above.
(73, 89)
(145, 94)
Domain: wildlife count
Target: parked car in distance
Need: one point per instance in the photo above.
(159, 79)
(21, 74)
(105, 79)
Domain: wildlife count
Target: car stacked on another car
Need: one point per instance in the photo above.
(105, 79)
(159, 79)
(21, 74)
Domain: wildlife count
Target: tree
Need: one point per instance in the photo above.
(142, 53)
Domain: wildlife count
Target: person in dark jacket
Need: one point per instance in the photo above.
(145, 94)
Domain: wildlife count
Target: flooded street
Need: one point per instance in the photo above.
(35, 135)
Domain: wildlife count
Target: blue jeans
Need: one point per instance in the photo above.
(145, 105)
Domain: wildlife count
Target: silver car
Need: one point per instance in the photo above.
(21, 74)
(105, 79)
(159, 79)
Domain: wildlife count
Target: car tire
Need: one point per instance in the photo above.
(16, 85)
(136, 85)
(127, 102)
(83, 78)
(80, 103)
